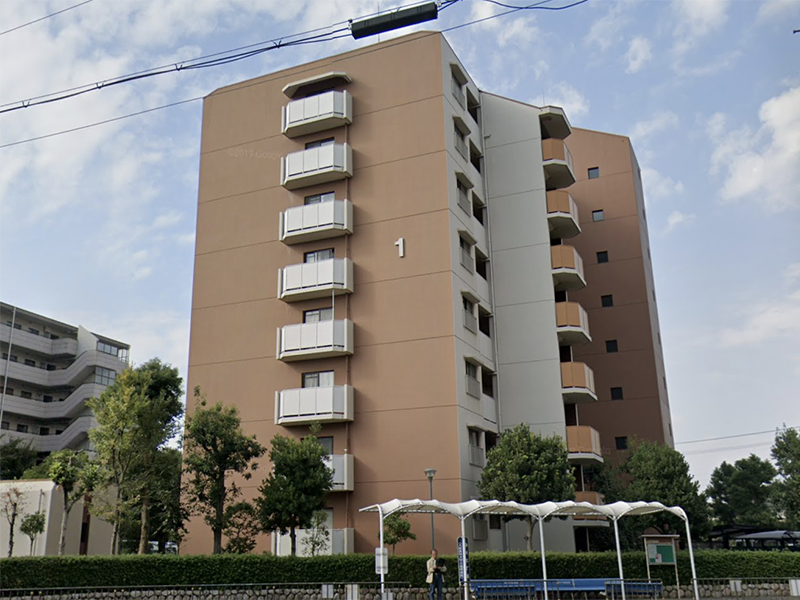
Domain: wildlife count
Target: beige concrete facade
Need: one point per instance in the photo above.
(47, 372)
(448, 205)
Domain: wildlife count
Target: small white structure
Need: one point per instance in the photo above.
(85, 534)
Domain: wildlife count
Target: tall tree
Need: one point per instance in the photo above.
(77, 477)
(396, 529)
(12, 504)
(529, 469)
(297, 486)
(16, 457)
(742, 493)
(215, 450)
(32, 526)
(786, 454)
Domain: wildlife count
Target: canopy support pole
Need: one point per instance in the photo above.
(464, 560)
(541, 550)
(383, 576)
(619, 559)
(691, 560)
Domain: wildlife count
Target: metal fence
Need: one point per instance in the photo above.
(565, 589)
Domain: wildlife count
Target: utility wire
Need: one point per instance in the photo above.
(44, 17)
(513, 9)
(728, 448)
(739, 435)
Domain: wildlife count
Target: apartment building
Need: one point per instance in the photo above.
(49, 370)
(389, 251)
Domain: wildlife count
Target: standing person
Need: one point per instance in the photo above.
(435, 577)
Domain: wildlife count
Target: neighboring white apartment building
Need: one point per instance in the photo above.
(85, 534)
(48, 371)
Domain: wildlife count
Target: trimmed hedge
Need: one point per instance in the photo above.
(132, 570)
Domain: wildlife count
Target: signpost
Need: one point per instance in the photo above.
(382, 561)
(661, 550)
(463, 560)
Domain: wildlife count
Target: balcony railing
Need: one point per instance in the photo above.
(473, 387)
(467, 261)
(583, 445)
(567, 269)
(477, 456)
(342, 465)
(470, 321)
(39, 342)
(486, 345)
(463, 202)
(315, 280)
(562, 215)
(489, 408)
(316, 222)
(577, 383)
(557, 162)
(341, 542)
(305, 341)
(317, 113)
(554, 123)
(461, 144)
(458, 92)
(572, 324)
(302, 406)
(316, 165)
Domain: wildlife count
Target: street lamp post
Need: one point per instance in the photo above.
(430, 473)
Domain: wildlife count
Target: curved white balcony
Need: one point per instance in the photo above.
(73, 375)
(557, 163)
(554, 122)
(341, 542)
(572, 324)
(70, 407)
(39, 343)
(583, 445)
(73, 436)
(317, 113)
(567, 267)
(305, 341)
(302, 406)
(313, 166)
(342, 465)
(562, 215)
(577, 383)
(316, 222)
(315, 280)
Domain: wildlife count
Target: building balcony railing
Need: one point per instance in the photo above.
(303, 406)
(73, 375)
(489, 408)
(316, 222)
(557, 162)
(317, 113)
(70, 407)
(477, 456)
(305, 341)
(473, 387)
(461, 145)
(342, 465)
(463, 202)
(467, 261)
(321, 279)
(554, 123)
(572, 324)
(567, 269)
(583, 445)
(470, 321)
(342, 541)
(41, 344)
(590, 497)
(313, 166)
(486, 346)
(577, 383)
(72, 437)
(458, 92)
(562, 215)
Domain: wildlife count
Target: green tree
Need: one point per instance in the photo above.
(396, 529)
(215, 449)
(32, 526)
(77, 477)
(241, 528)
(12, 503)
(319, 535)
(16, 457)
(529, 469)
(786, 454)
(659, 473)
(742, 493)
(296, 487)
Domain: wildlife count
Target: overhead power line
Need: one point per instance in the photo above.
(45, 17)
(728, 448)
(739, 435)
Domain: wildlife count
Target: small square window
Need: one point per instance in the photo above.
(602, 257)
(30, 363)
(616, 393)
(25, 394)
(621, 442)
(594, 172)
(495, 522)
(320, 143)
(598, 215)
(612, 346)
(607, 301)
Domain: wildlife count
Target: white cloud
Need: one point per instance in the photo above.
(770, 9)
(662, 120)
(767, 320)
(696, 19)
(761, 165)
(658, 186)
(607, 30)
(677, 218)
(168, 219)
(567, 97)
(639, 53)
(792, 273)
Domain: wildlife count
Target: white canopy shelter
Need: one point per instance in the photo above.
(540, 512)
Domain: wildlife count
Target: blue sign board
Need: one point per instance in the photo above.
(463, 559)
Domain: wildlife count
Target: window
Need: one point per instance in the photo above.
(22, 428)
(484, 322)
(327, 444)
(565, 354)
(318, 315)
(5, 425)
(495, 522)
(25, 394)
(30, 363)
(612, 346)
(463, 196)
(320, 198)
(33, 331)
(10, 391)
(607, 301)
(318, 255)
(104, 376)
(461, 142)
(616, 393)
(487, 383)
(107, 348)
(481, 265)
(473, 108)
(47, 398)
(320, 143)
(594, 172)
(621, 442)
(474, 437)
(602, 257)
(560, 296)
(598, 215)
(475, 157)
(44, 431)
(59, 431)
(472, 369)
(478, 210)
(51, 367)
(466, 255)
(318, 379)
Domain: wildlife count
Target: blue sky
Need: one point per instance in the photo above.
(97, 226)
